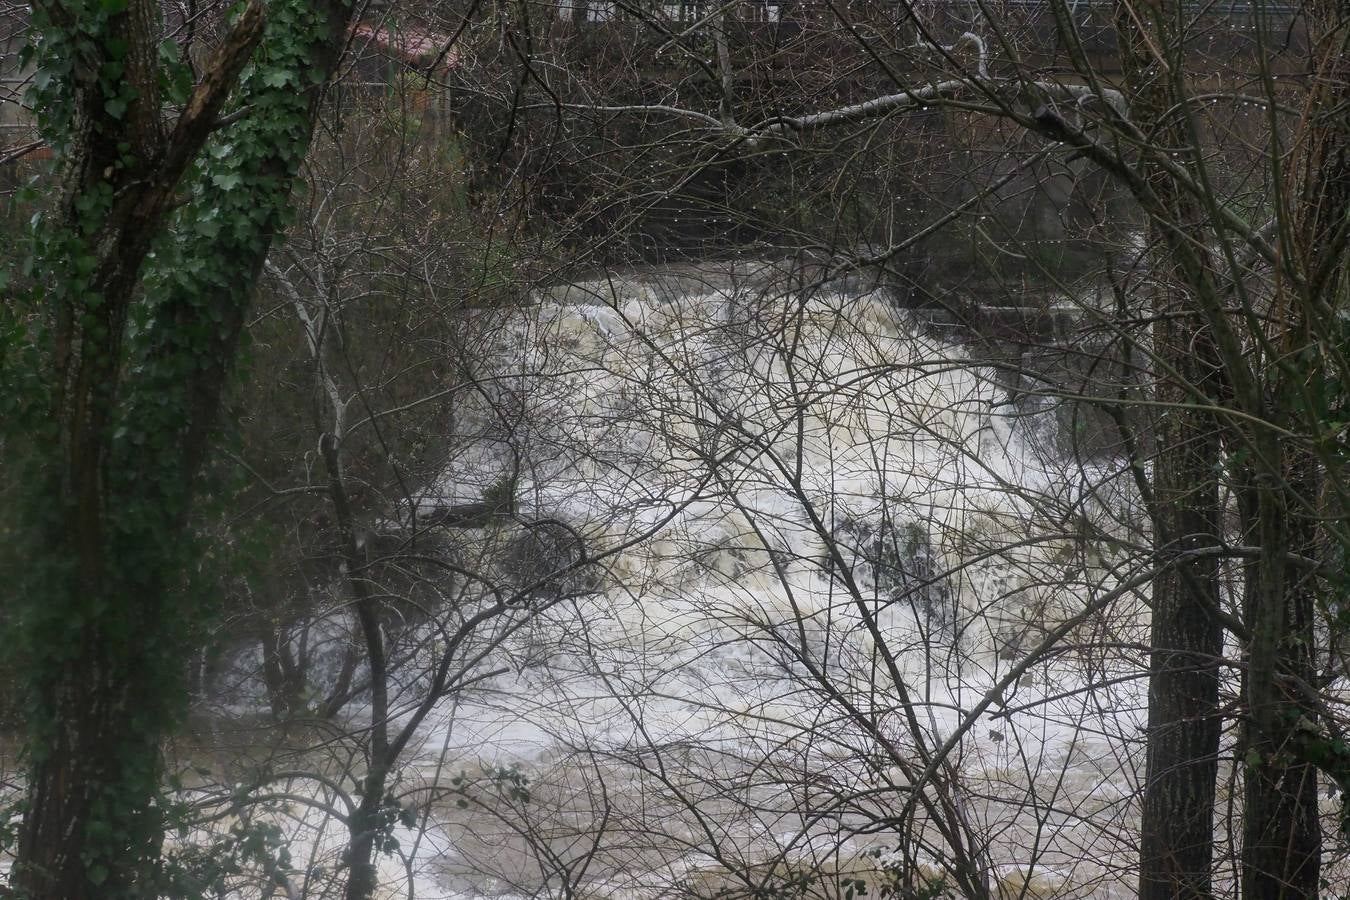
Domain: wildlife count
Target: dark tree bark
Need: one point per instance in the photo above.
(1177, 818)
(1281, 834)
(1278, 488)
(1177, 826)
(111, 514)
(283, 674)
(365, 826)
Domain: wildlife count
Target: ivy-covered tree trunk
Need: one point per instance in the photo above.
(113, 388)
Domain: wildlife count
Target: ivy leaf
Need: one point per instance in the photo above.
(115, 107)
(278, 78)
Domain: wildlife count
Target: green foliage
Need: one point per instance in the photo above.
(204, 870)
(500, 496)
(166, 363)
(510, 782)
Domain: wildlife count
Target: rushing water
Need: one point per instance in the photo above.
(790, 541)
(793, 495)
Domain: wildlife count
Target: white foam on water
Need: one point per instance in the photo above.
(791, 497)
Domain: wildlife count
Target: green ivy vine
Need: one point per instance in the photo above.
(173, 356)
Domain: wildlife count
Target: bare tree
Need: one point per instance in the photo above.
(903, 454)
(1220, 226)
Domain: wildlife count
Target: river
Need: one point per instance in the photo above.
(774, 545)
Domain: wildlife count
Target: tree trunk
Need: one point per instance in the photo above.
(1177, 828)
(93, 750)
(365, 826)
(283, 674)
(1184, 725)
(106, 621)
(1281, 835)
(364, 829)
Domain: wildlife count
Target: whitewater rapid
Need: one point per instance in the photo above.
(791, 494)
(772, 544)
